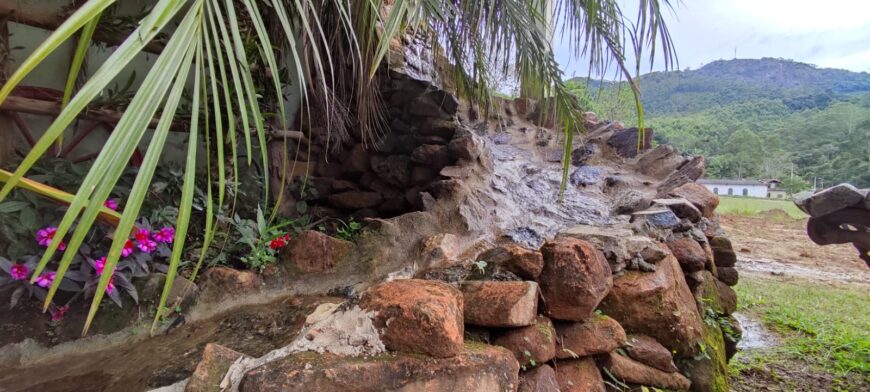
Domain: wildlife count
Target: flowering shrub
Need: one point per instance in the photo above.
(262, 241)
(141, 255)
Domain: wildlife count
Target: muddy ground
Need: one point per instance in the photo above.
(774, 246)
(772, 243)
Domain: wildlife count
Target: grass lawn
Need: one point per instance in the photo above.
(822, 328)
(753, 206)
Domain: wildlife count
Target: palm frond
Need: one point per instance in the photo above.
(335, 50)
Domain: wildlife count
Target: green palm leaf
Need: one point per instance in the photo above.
(476, 36)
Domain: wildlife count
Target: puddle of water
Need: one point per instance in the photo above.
(755, 335)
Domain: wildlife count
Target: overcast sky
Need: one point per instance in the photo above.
(829, 33)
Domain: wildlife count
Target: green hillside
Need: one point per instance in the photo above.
(764, 118)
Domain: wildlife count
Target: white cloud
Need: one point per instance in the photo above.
(833, 33)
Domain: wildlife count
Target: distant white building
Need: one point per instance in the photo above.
(749, 188)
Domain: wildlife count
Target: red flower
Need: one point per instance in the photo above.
(59, 312)
(280, 242)
(128, 248)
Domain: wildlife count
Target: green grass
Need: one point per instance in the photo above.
(827, 327)
(752, 206)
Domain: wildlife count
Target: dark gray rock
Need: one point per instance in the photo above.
(681, 207)
(355, 200)
(630, 201)
(659, 218)
(586, 175)
(425, 107)
(525, 237)
(625, 142)
(582, 154)
(501, 138)
(829, 200)
(438, 127)
(690, 171)
(660, 161)
(394, 169)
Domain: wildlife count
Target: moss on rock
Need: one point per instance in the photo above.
(709, 369)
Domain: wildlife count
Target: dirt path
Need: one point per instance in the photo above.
(774, 244)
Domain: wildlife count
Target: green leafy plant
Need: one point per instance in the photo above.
(210, 55)
(263, 241)
(348, 231)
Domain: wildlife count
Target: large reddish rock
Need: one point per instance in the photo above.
(689, 253)
(699, 196)
(539, 379)
(595, 335)
(500, 304)
(536, 342)
(313, 251)
(579, 375)
(658, 304)
(477, 368)
(575, 278)
(219, 282)
(525, 263)
(632, 372)
(216, 361)
(418, 316)
(648, 351)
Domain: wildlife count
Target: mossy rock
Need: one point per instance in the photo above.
(709, 369)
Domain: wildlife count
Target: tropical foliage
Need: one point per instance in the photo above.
(763, 118)
(237, 59)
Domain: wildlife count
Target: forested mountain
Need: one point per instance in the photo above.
(764, 118)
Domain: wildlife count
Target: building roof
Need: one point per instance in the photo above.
(708, 181)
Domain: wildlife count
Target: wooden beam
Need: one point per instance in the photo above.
(50, 19)
(51, 108)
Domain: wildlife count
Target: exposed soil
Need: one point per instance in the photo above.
(794, 376)
(774, 244)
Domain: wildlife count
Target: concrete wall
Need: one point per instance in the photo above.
(759, 190)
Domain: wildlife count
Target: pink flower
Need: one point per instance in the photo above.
(19, 271)
(111, 204)
(147, 246)
(110, 288)
(44, 237)
(45, 279)
(99, 264)
(59, 312)
(128, 248)
(164, 235)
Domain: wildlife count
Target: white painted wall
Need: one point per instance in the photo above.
(759, 190)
